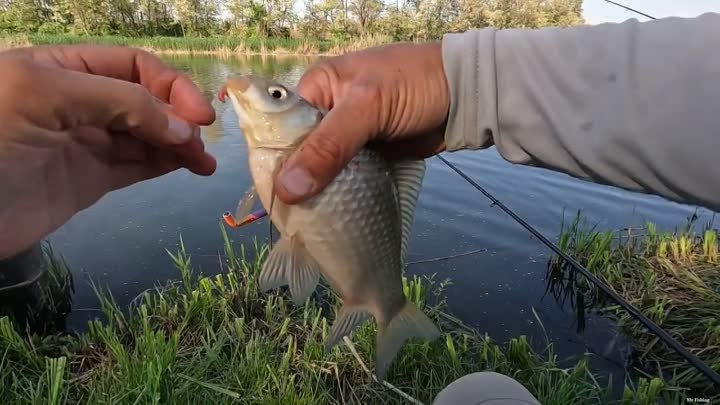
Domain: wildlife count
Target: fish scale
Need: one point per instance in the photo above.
(357, 213)
(354, 233)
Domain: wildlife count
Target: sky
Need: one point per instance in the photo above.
(600, 11)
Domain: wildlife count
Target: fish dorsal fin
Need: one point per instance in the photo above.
(407, 176)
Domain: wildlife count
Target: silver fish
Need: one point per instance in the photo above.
(355, 232)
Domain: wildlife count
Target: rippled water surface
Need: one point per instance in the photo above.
(121, 241)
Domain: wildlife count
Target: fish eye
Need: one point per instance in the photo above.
(277, 92)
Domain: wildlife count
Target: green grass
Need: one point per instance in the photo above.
(223, 45)
(672, 278)
(218, 340)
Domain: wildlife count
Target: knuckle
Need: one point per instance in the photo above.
(138, 94)
(139, 105)
(311, 78)
(316, 85)
(365, 92)
(321, 67)
(146, 58)
(369, 95)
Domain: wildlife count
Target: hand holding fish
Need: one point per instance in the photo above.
(395, 96)
(81, 121)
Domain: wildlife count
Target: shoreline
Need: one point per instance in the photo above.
(225, 46)
(234, 53)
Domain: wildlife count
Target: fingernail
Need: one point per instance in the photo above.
(179, 130)
(297, 181)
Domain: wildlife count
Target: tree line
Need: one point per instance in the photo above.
(401, 20)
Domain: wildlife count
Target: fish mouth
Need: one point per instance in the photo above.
(236, 86)
(222, 93)
(235, 89)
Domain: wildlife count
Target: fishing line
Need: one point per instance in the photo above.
(653, 327)
(631, 9)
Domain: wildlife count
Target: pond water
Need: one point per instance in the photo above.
(120, 242)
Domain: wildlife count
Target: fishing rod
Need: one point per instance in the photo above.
(652, 326)
(631, 9)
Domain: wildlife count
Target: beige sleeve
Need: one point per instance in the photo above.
(634, 105)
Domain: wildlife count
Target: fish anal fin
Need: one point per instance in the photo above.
(289, 263)
(408, 177)
(348, 320)
(409, 322)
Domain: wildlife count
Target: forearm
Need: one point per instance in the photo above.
(635, 105)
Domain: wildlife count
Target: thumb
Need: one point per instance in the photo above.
(324, 153)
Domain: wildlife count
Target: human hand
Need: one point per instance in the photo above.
(395, 96)
(81, 121)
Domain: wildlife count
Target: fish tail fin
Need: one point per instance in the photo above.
(409, 322)
(349, 318)
(289, 263)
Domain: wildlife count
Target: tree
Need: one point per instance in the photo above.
(366, 11)
(323, 19)
(21, 15)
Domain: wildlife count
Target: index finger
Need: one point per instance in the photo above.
(133, 65)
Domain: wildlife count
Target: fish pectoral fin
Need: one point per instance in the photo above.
(290, 263)
(349, 318)
(243, 210)
(408, 177)
(410, 322)
(247, 203)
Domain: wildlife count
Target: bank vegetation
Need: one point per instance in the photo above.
(256, 26)
(673, 278)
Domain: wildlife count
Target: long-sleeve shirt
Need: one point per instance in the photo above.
(635, 105)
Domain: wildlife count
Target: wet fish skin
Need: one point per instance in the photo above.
(354, 232)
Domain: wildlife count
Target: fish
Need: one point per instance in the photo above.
(354, 233)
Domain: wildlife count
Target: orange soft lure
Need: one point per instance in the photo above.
(232, 222)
